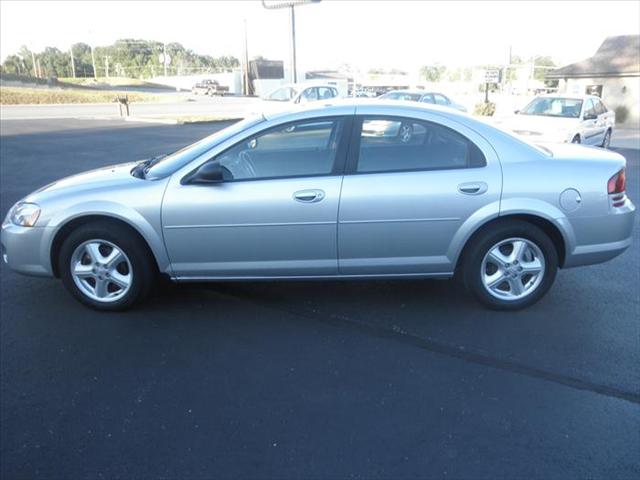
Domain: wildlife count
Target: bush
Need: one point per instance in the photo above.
(485, 109)
(622, 114)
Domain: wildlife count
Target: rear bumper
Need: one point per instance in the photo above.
(601, 238)
(22, 250)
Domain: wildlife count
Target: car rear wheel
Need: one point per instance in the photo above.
(105, 266)
(510, 265)
(606, 141)
(576, 139)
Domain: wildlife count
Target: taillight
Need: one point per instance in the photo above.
(617, 183)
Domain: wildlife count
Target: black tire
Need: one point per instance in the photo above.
(576, 139)
(143, 267)
(606, 140)
(481, 243)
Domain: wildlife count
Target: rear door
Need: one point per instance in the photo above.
(404, 198)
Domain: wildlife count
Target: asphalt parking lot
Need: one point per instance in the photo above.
(368, 379)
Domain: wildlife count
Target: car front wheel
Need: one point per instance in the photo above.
(606, 141)
(105, 266)
(510, 265)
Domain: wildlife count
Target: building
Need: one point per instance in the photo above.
(613, 73)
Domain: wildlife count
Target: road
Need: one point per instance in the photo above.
(366, 379)
(185, 104)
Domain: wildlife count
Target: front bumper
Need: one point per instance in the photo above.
(22, 250)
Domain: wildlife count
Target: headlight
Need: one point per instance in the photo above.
(24, 214)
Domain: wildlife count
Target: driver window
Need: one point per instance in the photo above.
(589, 109)
(309, 95)
(305, 148)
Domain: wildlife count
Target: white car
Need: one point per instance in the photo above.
(560, 118)
(282, 98)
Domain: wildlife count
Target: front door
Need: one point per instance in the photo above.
(275, 215)
(592, 130)
(410, 187)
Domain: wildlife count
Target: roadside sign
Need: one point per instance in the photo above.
(492, 76)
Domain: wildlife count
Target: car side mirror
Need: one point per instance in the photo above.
(590, 116)
(516, 112)
(210, 172)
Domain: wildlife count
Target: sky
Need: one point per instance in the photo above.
(365, 34)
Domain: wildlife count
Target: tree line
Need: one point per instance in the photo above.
(438, 73)
(124, 58)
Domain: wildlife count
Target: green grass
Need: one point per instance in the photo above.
(31, 96)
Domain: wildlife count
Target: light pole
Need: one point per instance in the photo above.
(290, 4)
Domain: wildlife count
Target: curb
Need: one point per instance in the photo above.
(177, 121)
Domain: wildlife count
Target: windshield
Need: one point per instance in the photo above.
(283, 94)
(177, 160)
(554, 107)
(413, 97)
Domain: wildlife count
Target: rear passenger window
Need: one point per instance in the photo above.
(440, 99)
(391, 144)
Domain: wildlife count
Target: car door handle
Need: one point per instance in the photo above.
(473, 188)
(309, 196)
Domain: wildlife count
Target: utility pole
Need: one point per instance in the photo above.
(272, 5)
(93, 62)
(73, 65)
(164, 57)
(33, 60)
(245, 61)
(292, 17)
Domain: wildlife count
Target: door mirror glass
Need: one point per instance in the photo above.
(210, 172)
(590, 116)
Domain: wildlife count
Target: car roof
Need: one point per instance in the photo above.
(347, 106)
(305, 85)
(569, 95)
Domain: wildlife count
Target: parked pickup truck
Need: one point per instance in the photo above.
(209, 87)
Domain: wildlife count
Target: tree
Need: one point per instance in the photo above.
(433, 73)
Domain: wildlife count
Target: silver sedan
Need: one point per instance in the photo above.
(311, 194)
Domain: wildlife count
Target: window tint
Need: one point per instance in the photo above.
(398, 144)
(296, 149)
(440, 99)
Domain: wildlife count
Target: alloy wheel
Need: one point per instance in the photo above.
(406, 132)
(513, 269)
(101, 270)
